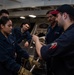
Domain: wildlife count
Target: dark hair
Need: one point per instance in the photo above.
(3, 20)
(24, 24)
(4, 11)
(71, 17)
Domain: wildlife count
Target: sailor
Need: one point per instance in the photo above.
(62, 49)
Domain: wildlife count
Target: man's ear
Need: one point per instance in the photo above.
(65, 15)
(1, 26)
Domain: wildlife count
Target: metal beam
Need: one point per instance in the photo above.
(26, 13)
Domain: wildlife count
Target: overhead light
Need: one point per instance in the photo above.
(33, 6)
(33, 16)
(22, 17)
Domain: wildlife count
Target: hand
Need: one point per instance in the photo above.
(35, 38)
(24, 71)
(26, 44)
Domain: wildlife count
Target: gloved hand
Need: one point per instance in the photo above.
(34, 62)
(24, 71)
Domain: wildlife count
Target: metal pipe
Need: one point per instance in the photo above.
(33, 66)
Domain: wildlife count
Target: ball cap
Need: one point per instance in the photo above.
(54, 12)
(65, 8)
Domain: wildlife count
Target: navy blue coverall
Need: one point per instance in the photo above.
(19, 36)
(8, 64)
(52, 34)
(62, 53)
(16, 32)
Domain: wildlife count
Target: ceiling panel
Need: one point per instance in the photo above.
(11, 4)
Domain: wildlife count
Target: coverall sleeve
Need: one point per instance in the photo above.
(21, 52)
(8, 61)
(59, 47)
(29, 37)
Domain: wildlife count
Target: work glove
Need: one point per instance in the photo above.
(24, 71)
(34, 62)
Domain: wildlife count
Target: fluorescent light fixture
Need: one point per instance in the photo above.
(33, 7)
(33, 16)
(22, 17)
